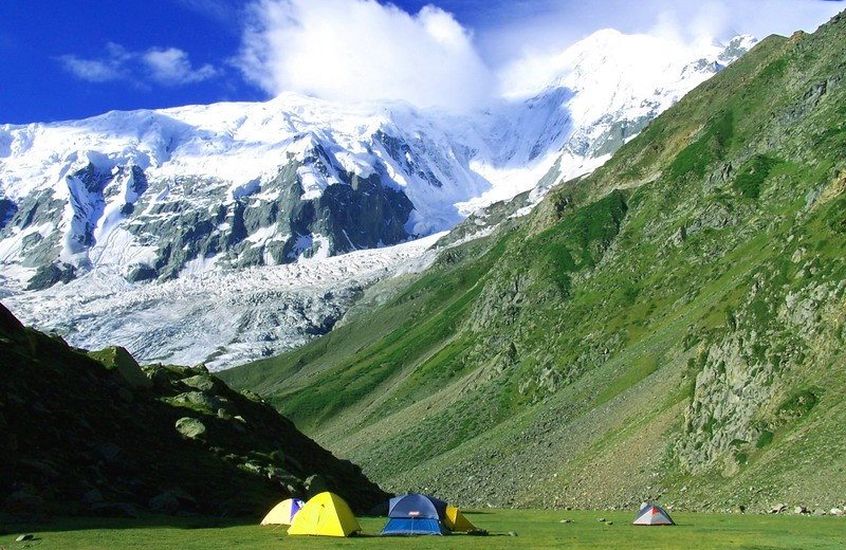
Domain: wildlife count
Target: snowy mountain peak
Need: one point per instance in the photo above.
(619, 71)
(292, 148)
(150, 196)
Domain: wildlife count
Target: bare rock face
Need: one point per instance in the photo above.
(728, 394)
(742, 393)
(190, 427)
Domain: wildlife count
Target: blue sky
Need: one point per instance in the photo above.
(35, 34)
(62, 59)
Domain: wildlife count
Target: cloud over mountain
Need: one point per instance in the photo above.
(362, 50)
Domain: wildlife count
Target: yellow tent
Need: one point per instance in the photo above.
(283, 513)
(455, 520)
(325, 514)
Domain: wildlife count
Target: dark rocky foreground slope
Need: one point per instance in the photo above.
(95, 434)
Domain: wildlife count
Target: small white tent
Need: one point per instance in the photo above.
(284, 512)
(652, 514)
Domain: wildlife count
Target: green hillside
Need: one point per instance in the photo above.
(670, 326)
(95, 434)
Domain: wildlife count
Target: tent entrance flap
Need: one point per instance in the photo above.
(413, 527)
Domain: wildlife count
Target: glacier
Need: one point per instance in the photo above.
(225, 232)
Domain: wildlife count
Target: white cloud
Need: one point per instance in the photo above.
(108, 68)
(92, 70)
(512, 30)
(164, 66)
(171, 67)
(527, 49)
(361, 50)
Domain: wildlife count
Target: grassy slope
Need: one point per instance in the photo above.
(534, 530)
(669, 326)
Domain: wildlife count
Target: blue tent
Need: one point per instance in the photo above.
(416, 505)
(415, 514)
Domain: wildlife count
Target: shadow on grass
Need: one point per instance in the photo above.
(11, 525)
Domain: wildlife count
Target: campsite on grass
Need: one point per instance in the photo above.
(535, 529)
(328, 515)
(409, 514)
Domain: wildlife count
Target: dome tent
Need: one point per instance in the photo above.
(283, 513)
(415, 514)
(652, 514)
(325, 514)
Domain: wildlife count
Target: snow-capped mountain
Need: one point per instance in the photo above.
(588, 101)
(157, 193)
(107, 205)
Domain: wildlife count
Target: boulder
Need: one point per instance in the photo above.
(118, 359)
(836, 512)
(199, 400)
(778, 509)
(201, 382)
(800, 510)
(252, 396)
(190, 427)
(165, 375)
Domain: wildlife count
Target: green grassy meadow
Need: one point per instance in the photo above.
(534, 529)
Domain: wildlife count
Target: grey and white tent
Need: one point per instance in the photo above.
(652, 514)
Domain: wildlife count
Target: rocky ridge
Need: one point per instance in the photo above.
(96, 434)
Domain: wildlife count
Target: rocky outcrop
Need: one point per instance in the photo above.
(95, 434)
(258, 224)
(742, 391)
(728, 397)
(8, 209)
(51, 274)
